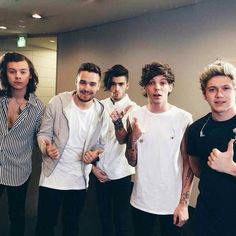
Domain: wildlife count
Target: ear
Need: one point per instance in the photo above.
(204, 95)
(99, 84)
(171, 86)
(127, 86)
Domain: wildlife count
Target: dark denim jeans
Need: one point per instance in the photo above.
(114, 208)
(49, 204)
(16, 207)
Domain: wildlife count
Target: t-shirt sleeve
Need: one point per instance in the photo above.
(191, 141)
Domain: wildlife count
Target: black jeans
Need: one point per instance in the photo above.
(16, 207)
(113, 205)
(49, 204)
(144, 224)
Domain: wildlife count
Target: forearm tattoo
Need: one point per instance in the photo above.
(189, 177)
(131, 152)
(185, 197)
(118, 124)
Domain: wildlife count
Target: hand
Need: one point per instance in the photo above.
(90, 156)
(136, 131)
(115, 115)
(100, 174)
(223, 161)
(180, 215)
(51, 150)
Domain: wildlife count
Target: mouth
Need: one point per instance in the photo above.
(18, 83)
(219, 102)
(86, 93)
(157, 95)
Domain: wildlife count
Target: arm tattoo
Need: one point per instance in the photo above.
(189, 177)
(131, 151)
(118, 124)
(185, 197)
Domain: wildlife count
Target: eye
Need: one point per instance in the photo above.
(151, 82)
(226, 88)
(93, 84)
(211, 90)
(82, 82)
(23, 72)
(11, 71)
(163, 83)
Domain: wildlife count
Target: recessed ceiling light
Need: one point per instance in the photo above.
(52, 41)
(36, 16)
(3, 27)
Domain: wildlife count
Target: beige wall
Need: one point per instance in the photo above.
(188, 39)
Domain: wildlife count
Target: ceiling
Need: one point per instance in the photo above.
(67, 15)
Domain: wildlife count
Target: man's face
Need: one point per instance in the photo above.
(18, 74)
(119, 86)
(87, 83)
(158, 90)
(220, 94)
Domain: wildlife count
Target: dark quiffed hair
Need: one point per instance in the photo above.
(149, 71)
(90, 67)
(114, 71)
(16, 57)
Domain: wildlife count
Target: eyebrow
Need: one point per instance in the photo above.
(10, 68)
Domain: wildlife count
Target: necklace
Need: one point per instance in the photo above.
(16, 106)
(21, 106)
(201, 133)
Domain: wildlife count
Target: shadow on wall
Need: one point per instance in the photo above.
(89, 223)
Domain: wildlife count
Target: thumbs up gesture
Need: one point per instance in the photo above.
(223, 161)
(90, 156)
(51, 150)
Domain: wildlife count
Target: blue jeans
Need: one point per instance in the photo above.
(16, 207)
(113, 205)
(49, 204)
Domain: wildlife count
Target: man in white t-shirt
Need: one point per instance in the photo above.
(70, 137)
(112, 171)
(156, 147)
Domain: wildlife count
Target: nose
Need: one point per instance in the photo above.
(157, 86)
(219, 93)
(116, 87)
(18, 74)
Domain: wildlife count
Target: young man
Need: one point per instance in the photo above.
(156, 147)
(70, 136)
(113, 183)
(211, 150)
(20, 117)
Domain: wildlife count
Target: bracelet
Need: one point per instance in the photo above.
(94, 162)
(118, 124)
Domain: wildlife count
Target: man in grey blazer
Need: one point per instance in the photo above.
(71, 136)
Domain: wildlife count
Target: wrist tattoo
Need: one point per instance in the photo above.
(185, 197)
(118, 124)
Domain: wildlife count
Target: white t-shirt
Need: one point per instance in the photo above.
(113, 161)
(68, 172)
(158, 179)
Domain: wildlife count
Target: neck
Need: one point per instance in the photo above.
(158, 108)
(222, 116)
(18, 94)
(81, 104)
